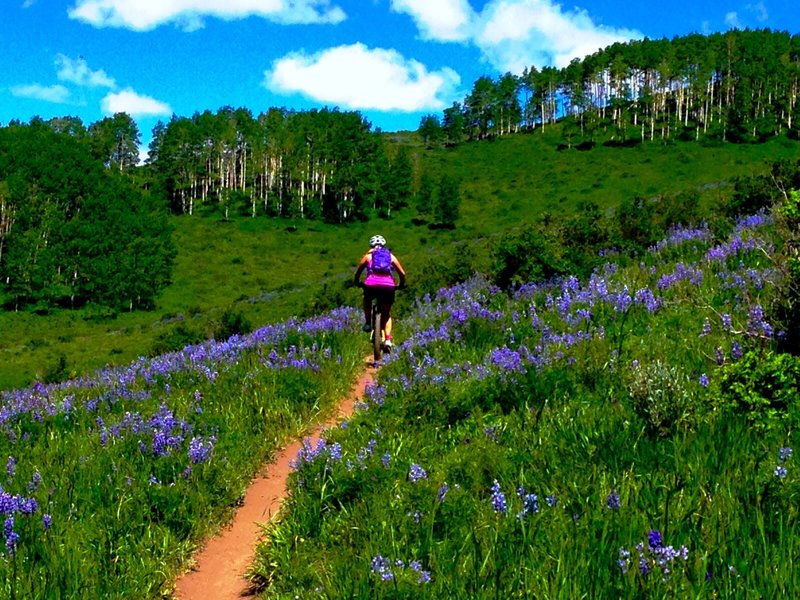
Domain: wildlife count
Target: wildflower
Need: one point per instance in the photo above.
(784, 454)
(442, 492)
(12, 537)
(551, 501)
(386, 460)
(612, 501)
(335, 452)
(200, 449)
(736, 351)
(726, 322)
(11, 466)
(703, 380)
(654, 538)
(35, 482)
(416, 473)
(47, 521)
(780, 471)
(706, 328)
(499, 503)
(383, 567)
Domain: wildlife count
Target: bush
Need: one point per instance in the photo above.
(232, 323)
(177, 338)
(762, 387)
(661, 397)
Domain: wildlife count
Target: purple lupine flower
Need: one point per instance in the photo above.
(784, 454)
(416, 473)
(383, 567)
(443, 489)
(654, 539)
(736, 351)
(200, 449)
(47, 521)
(335, 452)
(35, 482)
(386, 460)
(780, 471)
(703, 380)
(499, 503)
(530, 505)
(613, 501)
(11, 466)
(726, 322)
(645, 297)
(706, 328)
(624, 560)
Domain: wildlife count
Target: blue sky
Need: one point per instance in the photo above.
(392, 60)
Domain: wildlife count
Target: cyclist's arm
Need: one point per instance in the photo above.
(401, 272)
(361, 266)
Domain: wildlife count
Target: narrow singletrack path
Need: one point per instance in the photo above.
(221, 565)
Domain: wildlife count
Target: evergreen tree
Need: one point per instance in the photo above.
(430, 129)
(448, 200)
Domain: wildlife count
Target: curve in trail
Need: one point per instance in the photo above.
(221, 565)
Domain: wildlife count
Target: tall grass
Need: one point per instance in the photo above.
(569, 440)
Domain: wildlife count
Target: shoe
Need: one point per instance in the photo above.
(366, 328)
(387, 344)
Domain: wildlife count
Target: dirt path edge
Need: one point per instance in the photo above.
(221, 565)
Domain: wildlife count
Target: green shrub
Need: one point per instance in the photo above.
(764, 387)
(177, 338)
(232, 323)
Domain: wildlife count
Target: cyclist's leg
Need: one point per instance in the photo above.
(386, 300)
(367, 309)
(386, 320)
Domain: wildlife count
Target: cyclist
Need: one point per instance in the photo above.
(379, 283)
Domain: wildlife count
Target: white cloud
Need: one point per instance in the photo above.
(514, 34)
(135, 105)
(53, 93)
(143, 15)
(75, 70)
(759, 10)
(732, 20)
(357, 77)
(445, 20)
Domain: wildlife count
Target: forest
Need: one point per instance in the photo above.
(737, 86)
(81, 221)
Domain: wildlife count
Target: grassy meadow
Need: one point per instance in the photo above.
(629, 434)
(256, 271)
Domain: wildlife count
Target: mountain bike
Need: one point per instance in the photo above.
(377, 336)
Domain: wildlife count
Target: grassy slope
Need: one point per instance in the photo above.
(258, 268)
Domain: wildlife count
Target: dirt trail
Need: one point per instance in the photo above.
(220, 566)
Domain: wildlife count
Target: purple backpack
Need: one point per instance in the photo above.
(381, 260)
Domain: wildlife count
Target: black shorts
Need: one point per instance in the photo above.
(383, 293)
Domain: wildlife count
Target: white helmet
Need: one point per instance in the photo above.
(377, 240)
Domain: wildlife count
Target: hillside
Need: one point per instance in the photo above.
(243, 272)
(625, 434)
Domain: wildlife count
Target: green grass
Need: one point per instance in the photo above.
(265, 272)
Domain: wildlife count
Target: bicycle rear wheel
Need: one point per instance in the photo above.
(377, 337)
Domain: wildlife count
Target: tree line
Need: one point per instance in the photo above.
(738, 86)
(81, 222)
(74, 227)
